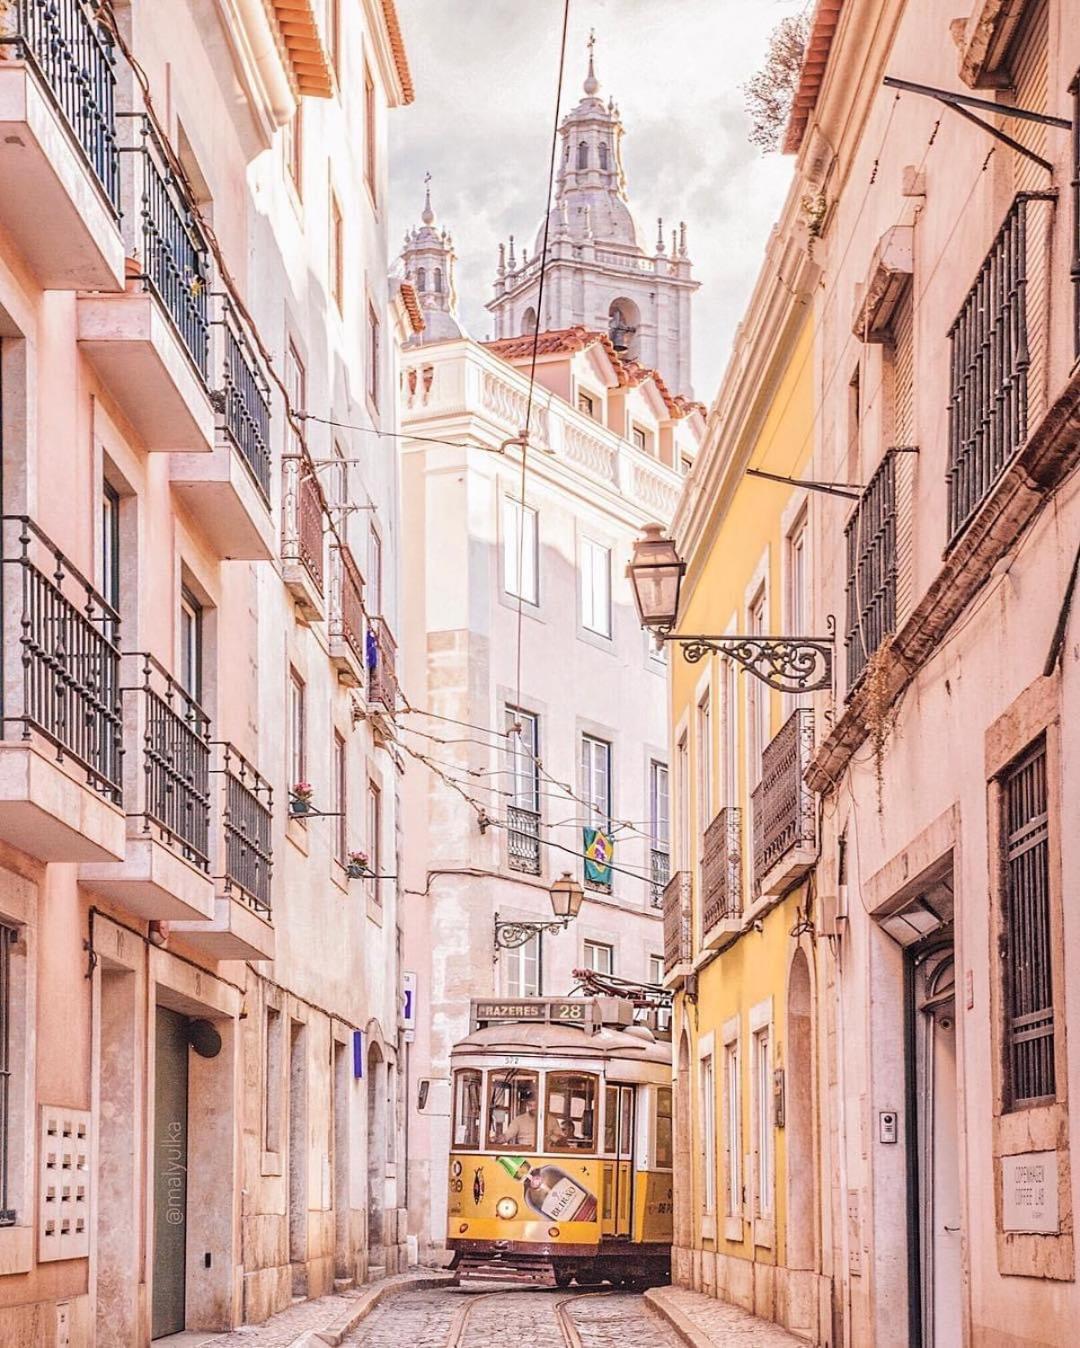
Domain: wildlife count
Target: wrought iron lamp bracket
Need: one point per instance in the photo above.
(788, 664)
(510, 935)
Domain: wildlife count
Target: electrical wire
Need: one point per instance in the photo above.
(390, 435)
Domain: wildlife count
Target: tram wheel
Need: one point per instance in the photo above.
(563, 1277)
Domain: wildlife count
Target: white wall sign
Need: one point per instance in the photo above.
(408, 1001)
(1029, 1192)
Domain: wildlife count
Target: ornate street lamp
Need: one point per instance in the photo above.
(790, 664)
(566, 896)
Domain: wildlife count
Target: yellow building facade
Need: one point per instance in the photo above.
(747, 972)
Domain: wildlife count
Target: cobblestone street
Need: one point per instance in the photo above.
(466, 1318)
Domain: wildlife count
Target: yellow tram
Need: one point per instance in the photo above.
(561, 1144)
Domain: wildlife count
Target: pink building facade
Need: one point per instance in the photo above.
(199, 1094)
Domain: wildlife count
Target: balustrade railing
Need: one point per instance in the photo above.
(381, 654)
(71, 52)
(64, 680)
(246, 857)
(172, 251)
(721, 869)
(677, 947)
(245, 399)
(660, 868)
(782, 803)
(523, 839)
(991, 355)
(175, 750)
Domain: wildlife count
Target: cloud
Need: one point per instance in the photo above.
(481, 124)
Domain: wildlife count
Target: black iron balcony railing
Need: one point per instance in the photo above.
(660, 868)
(302, 522)
(65, 684)
(246, 856)
(990, 359)
(677, 949)
(782, 803)
(245, 399)
(347, 603)
(382, 655)
(173, 253)
(175, 760)
(73, 56)
(523, 839)
(721, 869)
(871, 570)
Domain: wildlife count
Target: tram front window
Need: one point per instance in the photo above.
(512, 1096)
(467, 1099)
(570, 1113)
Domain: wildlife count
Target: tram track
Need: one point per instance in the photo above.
(571, 1335)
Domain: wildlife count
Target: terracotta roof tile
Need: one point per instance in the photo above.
(412, 307)
(815, 61)
(397, 46)
(308, 64)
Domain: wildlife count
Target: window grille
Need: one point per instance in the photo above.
(871, 570)
(7, 936)
(1029, 1000)
(989, 366)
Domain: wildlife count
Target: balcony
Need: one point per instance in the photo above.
(677, 943)
(151, 345)
(998, 357)
(61, 792)
(721, 880)
(165, 873)
(345, 626)
(523, 839)
(660, 867)
(785, 825)
(302, 549)
(240, 927)
(382, 676)
(228, 490)
(58, 142)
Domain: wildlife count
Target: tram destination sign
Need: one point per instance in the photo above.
(511, 1011)
(567, 1011)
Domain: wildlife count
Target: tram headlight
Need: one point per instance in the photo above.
(506, 1208)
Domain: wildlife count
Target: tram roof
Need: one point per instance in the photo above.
(545, 1039)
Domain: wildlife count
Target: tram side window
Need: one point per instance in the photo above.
(611, 1118)
(467, 1097)
(570, 1111)
(664, 1149)
(512, 1109)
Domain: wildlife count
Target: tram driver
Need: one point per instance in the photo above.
(521, 1130)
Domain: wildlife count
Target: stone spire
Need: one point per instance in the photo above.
(428, 259)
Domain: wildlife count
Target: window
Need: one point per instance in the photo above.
(333, 27)
(468, 1087)
(796, 589)
(272, 1080)
(586, 403)
(110, 545)
(523, 750)
(438, 280)
(640, 439)
(374, 577)
(656, 977)
(8, 935)
(341, 801)
(596, 587)
(337, 253)
(521, 551)
(733, 1129)
(1027, 933)
(191, 642)
(583, 154)
(374, 356)
(570, 1111)
(297, 730)
(704, 764)
(757, 695)
(664, 1152)
(596, 780)
(370, 163)
(685, 464)
(659, 807)
(522, 968)
(599, 958)
(293, 148)
(296, 383)
(421, 279)
(708, 1134)
(374, 838)
(682, 783)
(763, 1140)
(729, 732)
(603, 155)
(512, 1097)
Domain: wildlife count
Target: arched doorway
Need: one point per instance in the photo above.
(376, 1130)
(682, 1176)
(799, 1120)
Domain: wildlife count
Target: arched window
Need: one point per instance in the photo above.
(623, 320)
(421, 279)
(603, 155)
(438, 280)
(528, 322)
(583, 155)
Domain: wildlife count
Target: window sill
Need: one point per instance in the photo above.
(339, 876)
(733, 1228)
(764, 1232)
(16, 1249)
(271, 1163)
(374, 911)
(708, 1226)
(297, 834)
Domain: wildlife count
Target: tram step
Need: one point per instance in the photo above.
(523, 1268)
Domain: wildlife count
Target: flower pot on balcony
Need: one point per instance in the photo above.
(300, 806)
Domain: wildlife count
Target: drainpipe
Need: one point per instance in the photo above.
(845, 1223)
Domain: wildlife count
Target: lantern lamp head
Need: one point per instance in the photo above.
(656, 571)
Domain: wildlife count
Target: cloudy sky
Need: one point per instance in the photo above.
(485, 75)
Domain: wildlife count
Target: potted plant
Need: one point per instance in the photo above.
(300, 798)
(356, 867)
